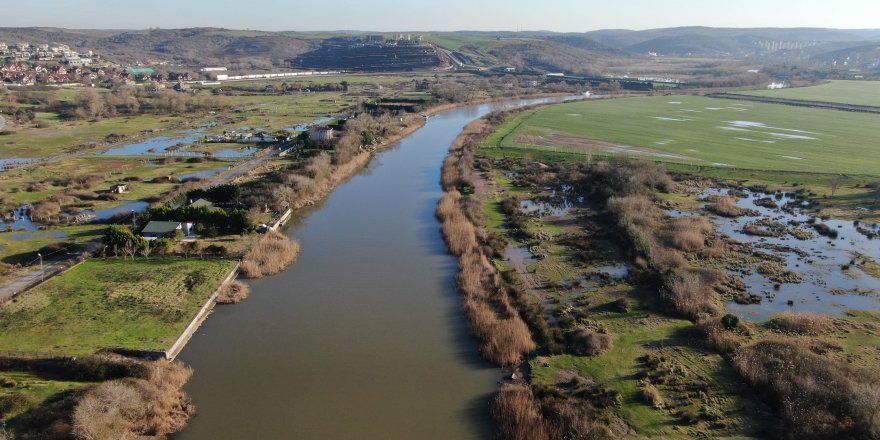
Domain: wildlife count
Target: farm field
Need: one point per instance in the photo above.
(110, 303)
(704, 131)
(841, 92)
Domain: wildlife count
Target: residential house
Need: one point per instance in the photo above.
(166, 229)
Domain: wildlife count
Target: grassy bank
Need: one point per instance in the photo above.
(110, 303)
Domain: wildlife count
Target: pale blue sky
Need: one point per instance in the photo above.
(439, 15)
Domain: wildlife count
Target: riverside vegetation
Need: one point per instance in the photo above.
(654, 351)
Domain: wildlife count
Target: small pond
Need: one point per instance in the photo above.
(558, 202)
(138, 206)
(21, 221)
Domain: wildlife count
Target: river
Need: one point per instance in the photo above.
(363, 338)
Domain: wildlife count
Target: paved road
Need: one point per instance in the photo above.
(31, 277)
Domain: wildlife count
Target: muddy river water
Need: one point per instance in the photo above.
(363, 338)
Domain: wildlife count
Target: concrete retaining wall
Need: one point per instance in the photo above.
(194, 325)
(282, 220)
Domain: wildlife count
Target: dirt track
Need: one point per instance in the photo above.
(800, 103)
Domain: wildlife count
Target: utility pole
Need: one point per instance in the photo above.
(42, 274)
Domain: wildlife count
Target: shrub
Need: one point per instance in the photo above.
(233, 293)
(689, 292)
(816, 396)
(14, 403)
(687, 233)
(652, 395)
(589, 343)
(131, 407)
(719, 335)
(272, 254)
(726, 206)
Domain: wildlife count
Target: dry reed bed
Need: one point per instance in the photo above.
(517, 414)
(504, 337)
(273, 253)
(802, 323)
(233, 293)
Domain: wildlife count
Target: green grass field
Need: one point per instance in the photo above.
(699, 130)
(842, 92)
(110, 303)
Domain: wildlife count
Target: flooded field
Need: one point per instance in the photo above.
(176, 146)
(804, 263)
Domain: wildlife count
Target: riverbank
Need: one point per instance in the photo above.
(627, 330)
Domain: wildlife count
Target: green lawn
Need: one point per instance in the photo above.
(692, 129)
(112, 303)
(842, 92)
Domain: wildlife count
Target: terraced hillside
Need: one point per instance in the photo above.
(348, 54)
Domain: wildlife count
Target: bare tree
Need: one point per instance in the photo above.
(146, 249)
(129, 249)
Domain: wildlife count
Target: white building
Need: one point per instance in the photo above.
(320, 134)
(78, 62)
